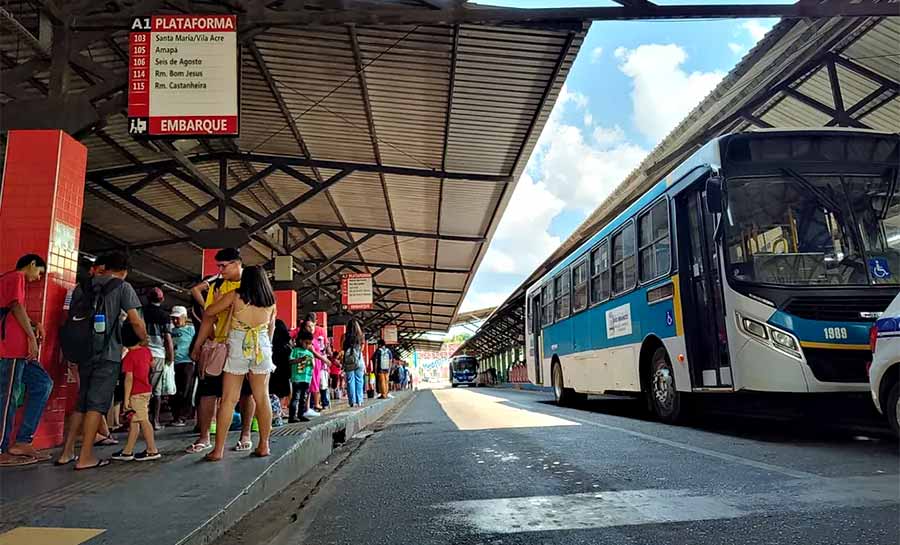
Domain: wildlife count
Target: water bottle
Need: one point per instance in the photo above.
(99, 323)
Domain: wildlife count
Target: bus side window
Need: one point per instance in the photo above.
(623, 260)
(600, 273)
(561, 290)
(547, 304)
(654, 242)
(580, 286)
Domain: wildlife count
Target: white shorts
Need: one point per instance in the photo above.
(238, 364)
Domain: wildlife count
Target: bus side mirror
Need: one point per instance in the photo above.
(714, 195)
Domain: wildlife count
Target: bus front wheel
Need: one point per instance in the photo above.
(565, 397)
(664, 396)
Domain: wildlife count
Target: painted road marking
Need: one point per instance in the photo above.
(473, 411)
(653, 506)
(772, 468)
(28, 535)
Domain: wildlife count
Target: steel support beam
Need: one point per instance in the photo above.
(387, 232)
(287, 208)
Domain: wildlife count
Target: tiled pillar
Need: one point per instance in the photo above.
(337, 337)
(209, 262)
(41, 200)
(286, 303)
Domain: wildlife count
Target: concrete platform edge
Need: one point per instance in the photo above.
(311, 449)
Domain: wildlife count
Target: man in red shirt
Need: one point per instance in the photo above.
(19, 368)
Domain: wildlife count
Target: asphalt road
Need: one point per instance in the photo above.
(485, 466)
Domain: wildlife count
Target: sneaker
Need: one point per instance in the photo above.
(389, 396)
(311, 414)
(179, 424)
(122, 457)
(146, 456)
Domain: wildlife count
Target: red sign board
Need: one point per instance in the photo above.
(183, 76)
(356, 291)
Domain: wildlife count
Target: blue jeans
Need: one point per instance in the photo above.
(355, 383)
(37, 383)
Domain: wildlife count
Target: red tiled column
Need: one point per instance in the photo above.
(337, 337)
(208, 267)
(40, 212)
(286, 302)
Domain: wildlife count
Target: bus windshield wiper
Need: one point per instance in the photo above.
(823, 198)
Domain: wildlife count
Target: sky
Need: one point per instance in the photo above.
(631, 83)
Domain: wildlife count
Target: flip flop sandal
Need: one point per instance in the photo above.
(70, 460)
(243, 446)
(197, 448)
(106, 442)
(19, 461)
(99, 464)
(257, 454)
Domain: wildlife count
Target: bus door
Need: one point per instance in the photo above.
(701, 289)
(535, 326)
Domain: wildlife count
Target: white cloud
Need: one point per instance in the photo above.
(522, 240)
(737, 49)
(596, 53)
(478, 300)
(573, 167)
(662, 92)
(758, 27)
(606, 137)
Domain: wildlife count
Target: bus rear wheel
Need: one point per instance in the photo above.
(565, 397)
(665, 400)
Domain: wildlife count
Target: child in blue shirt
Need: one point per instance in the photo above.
(302, 362)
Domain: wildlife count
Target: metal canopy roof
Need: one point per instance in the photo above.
(389, 149)
(840, 72)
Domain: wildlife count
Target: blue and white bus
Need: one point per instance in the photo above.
(463, 370)
(758, 264)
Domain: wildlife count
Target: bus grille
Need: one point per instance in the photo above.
(829, 365)
(838, 309)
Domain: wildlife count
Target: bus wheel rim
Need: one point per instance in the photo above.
(897, 410)
(663, 388)
(557, 382)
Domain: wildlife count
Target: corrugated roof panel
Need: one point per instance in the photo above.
(419, 279)
(467, 206)
(360, 200)
(886, 118)
(390, 277)
(793, 113)
(450, 280)
(379, 249)
(417, 251)
(456, 255)
(419, 296)
(419, 198)
(447, 298)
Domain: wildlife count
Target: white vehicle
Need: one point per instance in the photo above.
(884, 374)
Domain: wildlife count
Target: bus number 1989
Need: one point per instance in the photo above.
(835, 332)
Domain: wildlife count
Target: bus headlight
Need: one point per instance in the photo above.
(784, 340)
(754, 328)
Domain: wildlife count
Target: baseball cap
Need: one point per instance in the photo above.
(178, 312)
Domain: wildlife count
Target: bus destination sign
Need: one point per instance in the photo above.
(183, 76)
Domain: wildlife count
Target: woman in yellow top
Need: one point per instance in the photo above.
(250, 332)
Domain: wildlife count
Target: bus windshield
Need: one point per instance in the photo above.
(465, 364)
(813, 229)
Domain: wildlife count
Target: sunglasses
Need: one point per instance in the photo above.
(221, 266)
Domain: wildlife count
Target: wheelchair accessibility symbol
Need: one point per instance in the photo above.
(879, 268)
(669, 319)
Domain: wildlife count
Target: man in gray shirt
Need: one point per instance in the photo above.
(98, 377)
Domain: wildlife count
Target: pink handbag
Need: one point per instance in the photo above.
(213, 355)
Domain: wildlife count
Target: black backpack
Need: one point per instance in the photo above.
(79, 342)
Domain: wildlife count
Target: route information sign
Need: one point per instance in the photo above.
(356, 291)
(183, 76)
